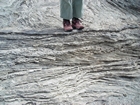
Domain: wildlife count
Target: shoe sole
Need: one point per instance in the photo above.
(68, 30)
(78, 28)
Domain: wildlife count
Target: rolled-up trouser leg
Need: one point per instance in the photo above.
(77, 8)
(66, 9)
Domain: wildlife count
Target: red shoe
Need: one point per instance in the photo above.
(77, 24)
(67, 25)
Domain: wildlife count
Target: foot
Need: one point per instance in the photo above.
(77, 24)
(67, 25)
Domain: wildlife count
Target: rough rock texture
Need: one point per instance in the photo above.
(42, 65)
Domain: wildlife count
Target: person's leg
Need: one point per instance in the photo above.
(77, 13)
(77, 8)
(66, 10)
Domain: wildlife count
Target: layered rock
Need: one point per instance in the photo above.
(42, 65)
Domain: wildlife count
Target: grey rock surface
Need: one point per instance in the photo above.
(40, 64)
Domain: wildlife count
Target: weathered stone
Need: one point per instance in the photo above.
(42, 65)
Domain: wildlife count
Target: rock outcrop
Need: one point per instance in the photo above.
(42, 65)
